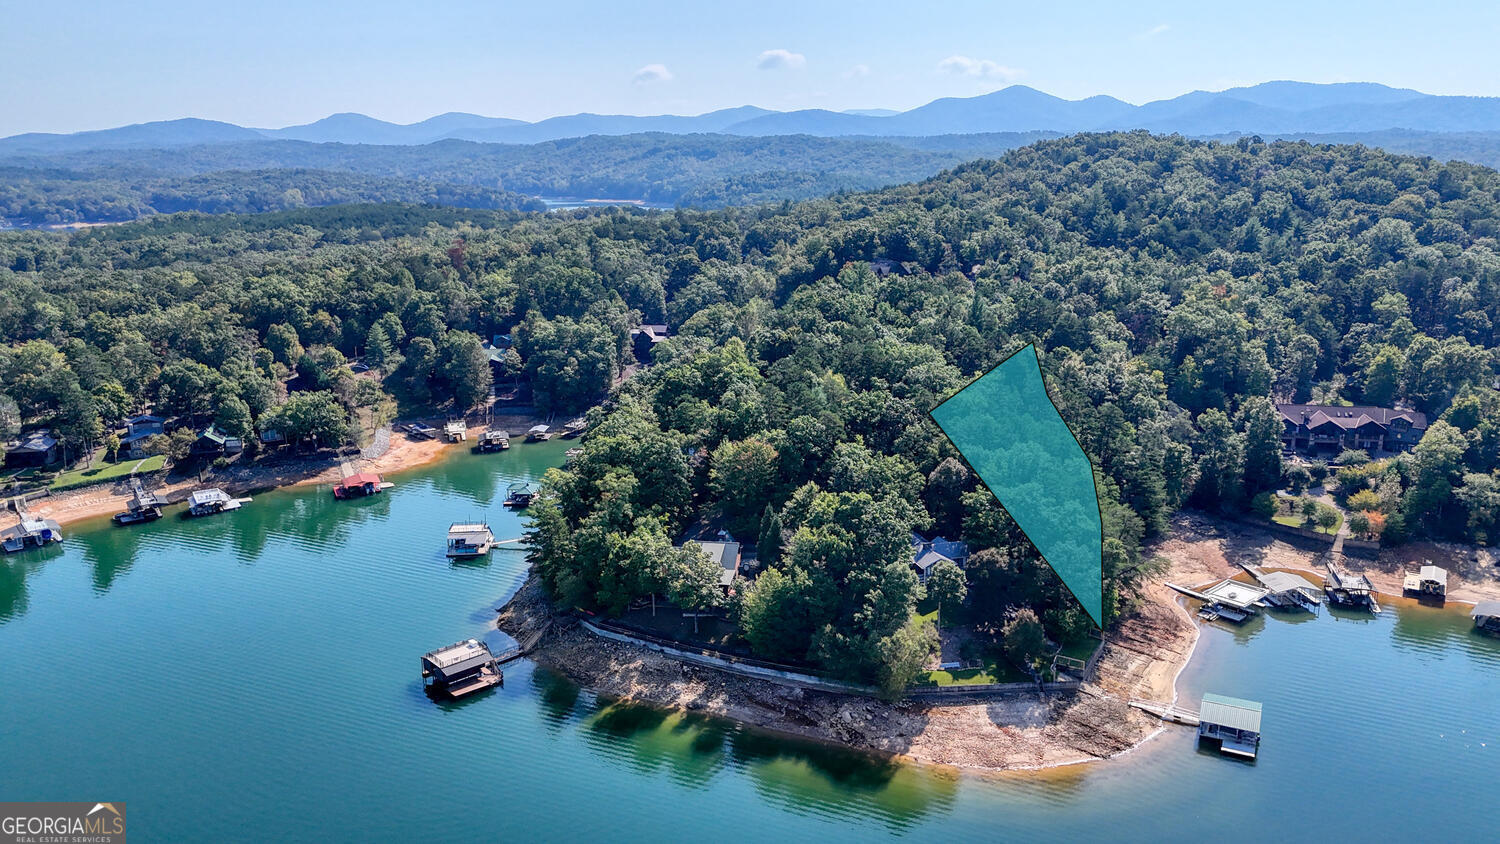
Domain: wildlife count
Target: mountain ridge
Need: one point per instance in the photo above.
(1279, 106)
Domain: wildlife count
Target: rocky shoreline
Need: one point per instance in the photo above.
(1013, 732)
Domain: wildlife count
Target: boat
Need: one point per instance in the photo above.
(30, 533)
(519, 495)
(573, 454)
(539, 434)
(144, 506)
(460, 669)
(469, 539)
(491, 441)
(208, 502)
(360, 485)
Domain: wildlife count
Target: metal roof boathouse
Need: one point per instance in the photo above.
(460, 669)
(1231, 721)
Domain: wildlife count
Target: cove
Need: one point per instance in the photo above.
(254, 676)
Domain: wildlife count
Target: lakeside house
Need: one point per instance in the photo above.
(35, 450)
(1328, 429)
(643, 340)
(726, 555)
(469, 539)
(30, 533)
(927, 553)
(1231, 721)
(139, 429)
(212, 442)
(460, 669)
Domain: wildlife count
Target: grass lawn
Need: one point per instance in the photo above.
(992, 672)
(105, 472)
(1298, 521)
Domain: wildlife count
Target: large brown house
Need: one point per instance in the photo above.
(1325, 428)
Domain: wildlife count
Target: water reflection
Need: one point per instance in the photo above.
(14, 569)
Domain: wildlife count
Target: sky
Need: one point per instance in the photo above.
(271, 63)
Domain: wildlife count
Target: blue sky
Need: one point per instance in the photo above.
(275, 63)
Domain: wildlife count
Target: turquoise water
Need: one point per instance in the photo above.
(255, 676)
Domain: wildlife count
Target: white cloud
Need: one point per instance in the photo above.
(1153, 32)
(979, 68)
(859, 71)
(780, 60)
(652, 73)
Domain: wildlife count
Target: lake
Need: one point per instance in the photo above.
(563, 203)
(255, 676)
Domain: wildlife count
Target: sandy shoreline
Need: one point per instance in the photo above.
(403, 455)
(1143, 658)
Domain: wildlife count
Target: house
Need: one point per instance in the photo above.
(926, 554)
(210, 443)
(1329, 429)
(644, 338)
(38, 448)
(1231, 721)
(145, 424)
(726, 555)
(272, 438)
(459, 669)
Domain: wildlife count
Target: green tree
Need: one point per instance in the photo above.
(465, 369)
(768, 548)
(1024, 640)
(945, 584)
(1260, 425)
(1221, 465)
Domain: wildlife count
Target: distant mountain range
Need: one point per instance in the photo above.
(1268, 108)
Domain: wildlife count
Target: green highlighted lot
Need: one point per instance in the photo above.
(1006, 426)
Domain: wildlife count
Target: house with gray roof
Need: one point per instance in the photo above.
(1315, 428)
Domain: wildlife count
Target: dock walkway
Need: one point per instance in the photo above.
(1167, 712)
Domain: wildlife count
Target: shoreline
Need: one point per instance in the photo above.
(1145, 657)
(403, 455)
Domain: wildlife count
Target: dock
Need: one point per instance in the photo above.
(1230, 600)
(491, 441)
(1348, 590)
(1486, 615)
(460, 669)
(1286, 590)
(1429, 582)
(469, 539)
(456, 431)
(1168, 712)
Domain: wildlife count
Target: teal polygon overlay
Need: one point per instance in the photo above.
(1006, 426)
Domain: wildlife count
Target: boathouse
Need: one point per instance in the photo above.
(1285, 590)
(456, 431)
(460, 669)
(574, 428)
(469, 539)
(144, 506)
(539, 433)
(1349, 590)
(1231, 721)
(30, 533)
(359, 485)
(1427, 582)
(1486, 615)
(206, 502)
(493, 440)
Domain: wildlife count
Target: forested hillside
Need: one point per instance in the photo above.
(1173, 288)
(704, 171)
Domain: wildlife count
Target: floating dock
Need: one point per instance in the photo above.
(460, 669)
(469, 539)
(539, 434)
(519, 495)
(1486, 615)
(1430, 582)
(208, 502)
(1230, 600)
(30, 533)
(1349, 590)
(360, 485)
(456, 431)
(1233, 722)
(1285, 590)
(491, 441)
(144, 506)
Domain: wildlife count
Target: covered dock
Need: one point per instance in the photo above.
(456, 431)
(460, 669)
(539, 433)
(30, 533)
(1230, 599)
(1349, 590)
(1231, 721)
(1427, 582)
(1286, 590)
(1486, 615)
(144, 506)
(359, 485)
(206, 502)
(493, 440)
(469, 539)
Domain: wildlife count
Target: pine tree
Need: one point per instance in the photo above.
(768, 549)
